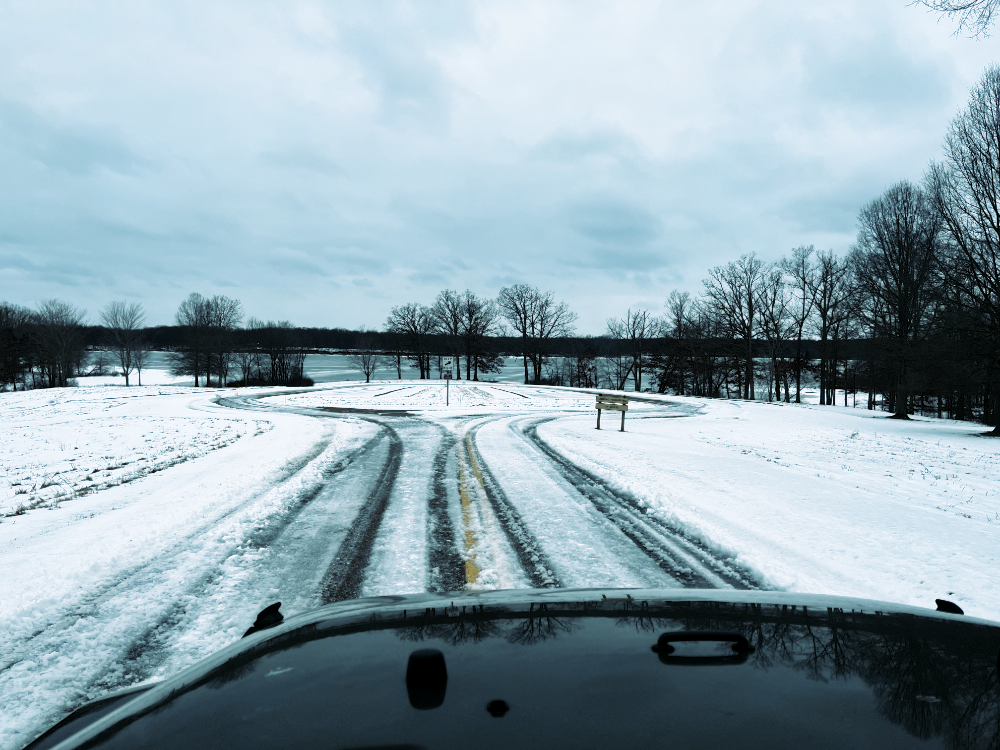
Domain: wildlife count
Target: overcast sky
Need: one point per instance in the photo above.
(322, 162)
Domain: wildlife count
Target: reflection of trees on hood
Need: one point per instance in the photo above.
(822, 654)
(932, 690)
(533, 630)
(643, 623)
(934, 678)
(462, 630)
(521, 631)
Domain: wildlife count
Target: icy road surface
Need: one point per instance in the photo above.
(153, 523)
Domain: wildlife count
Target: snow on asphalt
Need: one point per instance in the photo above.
(810, 499)
(585, 550)
(818, 499)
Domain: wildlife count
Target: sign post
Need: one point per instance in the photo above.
(447, 386)
(611, 403)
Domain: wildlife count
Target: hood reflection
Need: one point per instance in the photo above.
(935, 678)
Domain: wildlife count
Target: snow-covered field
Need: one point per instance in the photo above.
(142, 528)
(458, 398)
(819, 499)
(63, 443)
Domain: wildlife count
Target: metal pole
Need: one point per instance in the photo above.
(447, 392)
(598, 419)
(623, 422)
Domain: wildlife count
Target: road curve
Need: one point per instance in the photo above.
(471, 536)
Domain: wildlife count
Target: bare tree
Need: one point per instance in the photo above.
(776, 325)
(552, 319)
(124, 323)
(733, 293)
(448, 314)
(59, 337)
(801, 271)
(636, 328)
(207, 331)
(537, 318)
(965, 190)
(414, 323)
(973, 16)
(479, 320)
(224, 316)
(191, 358)
(896, 262)
(366, 355)
(831, 292)
(517, 304)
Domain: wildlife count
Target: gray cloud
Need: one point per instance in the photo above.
(323, 162)
(571, 146)
(296, 263)
(612, 222)
(75, 148)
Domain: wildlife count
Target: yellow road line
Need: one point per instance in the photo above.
(472, 457)
(471, 569)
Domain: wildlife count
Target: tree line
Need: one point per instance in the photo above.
(211, 342)
(909, 317)
(464, 334)
(466, 328)
(51, 345)
(48, 346)
(459, 333)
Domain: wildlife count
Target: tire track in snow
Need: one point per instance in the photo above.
(530, 556)
(681, 556)
(128, 629)
(345, 576)
(445, 564)
(92, 601)
(152, 647)
(446, 567)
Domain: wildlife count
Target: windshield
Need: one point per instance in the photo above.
(310, 303)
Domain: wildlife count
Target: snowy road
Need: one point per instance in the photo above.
(415, 496)
(182, 513)
(467, 501)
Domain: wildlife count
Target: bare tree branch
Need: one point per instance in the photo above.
(973, 16)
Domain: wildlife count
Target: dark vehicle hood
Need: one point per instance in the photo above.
(578, 668)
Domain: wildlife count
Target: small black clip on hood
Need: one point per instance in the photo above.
(268, 618)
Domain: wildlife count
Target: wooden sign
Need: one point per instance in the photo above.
(611, 403)
(611, 406)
